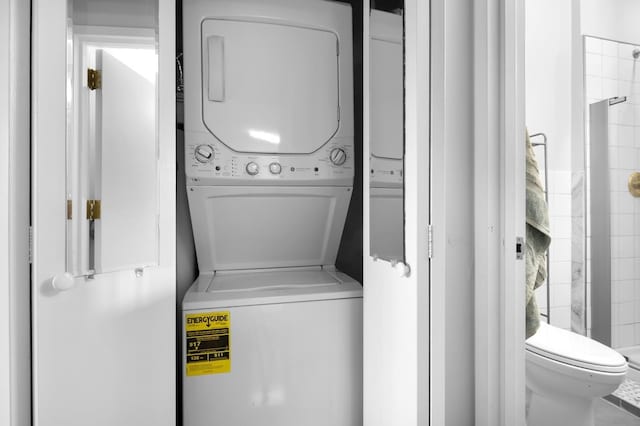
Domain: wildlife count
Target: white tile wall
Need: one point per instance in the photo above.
(611, 71)
(560, 212)
(593, 45)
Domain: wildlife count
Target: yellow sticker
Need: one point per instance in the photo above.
(208, 343)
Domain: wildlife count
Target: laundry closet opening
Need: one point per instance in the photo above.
(242, 150)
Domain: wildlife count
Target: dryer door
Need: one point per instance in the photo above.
(269, 87)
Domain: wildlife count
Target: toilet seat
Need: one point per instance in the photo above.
(575, 350)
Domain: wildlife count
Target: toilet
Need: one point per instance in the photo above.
(565, 373)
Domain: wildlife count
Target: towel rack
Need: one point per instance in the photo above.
(543, 144)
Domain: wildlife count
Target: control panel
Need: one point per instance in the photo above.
(386, 172)
(210, 162)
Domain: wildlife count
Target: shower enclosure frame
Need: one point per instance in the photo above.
(599, 295)
(600, 213)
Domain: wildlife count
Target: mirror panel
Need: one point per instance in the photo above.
(386, 178)
(112, 137)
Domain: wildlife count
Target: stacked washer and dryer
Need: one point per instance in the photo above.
(272, 331)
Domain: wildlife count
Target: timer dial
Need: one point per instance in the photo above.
(338, 156)
(204, 153)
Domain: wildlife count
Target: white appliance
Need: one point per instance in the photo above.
(387, 135)
(273, 333)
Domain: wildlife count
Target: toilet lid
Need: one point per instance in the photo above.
(575, 349)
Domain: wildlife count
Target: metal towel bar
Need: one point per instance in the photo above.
(546, 197)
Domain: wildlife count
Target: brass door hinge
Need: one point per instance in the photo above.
(69, 209)
(93, 209)
(94, 79)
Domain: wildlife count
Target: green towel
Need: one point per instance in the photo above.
(538, 239)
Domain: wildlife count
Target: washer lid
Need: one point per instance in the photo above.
(290, 281)
(269, 87)
(575, 349)
(269, 287)
(244, 227)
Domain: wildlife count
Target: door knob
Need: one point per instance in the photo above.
(402, 268)
(63, 282)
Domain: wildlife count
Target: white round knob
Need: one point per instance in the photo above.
(275, 168)
(63, 282)
(338, 156)
(402, 269)
(204, 153)
(252, 168)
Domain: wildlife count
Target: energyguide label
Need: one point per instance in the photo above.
(208, 343)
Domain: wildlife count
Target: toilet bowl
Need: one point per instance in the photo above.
(565, 373)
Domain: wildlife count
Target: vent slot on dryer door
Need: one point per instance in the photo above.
(269, 88)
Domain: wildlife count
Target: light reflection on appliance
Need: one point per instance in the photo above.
(265, 136)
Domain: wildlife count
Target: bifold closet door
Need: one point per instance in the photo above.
(396, 281)
(103, 343)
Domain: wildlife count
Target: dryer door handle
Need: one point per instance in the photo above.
(215, 68)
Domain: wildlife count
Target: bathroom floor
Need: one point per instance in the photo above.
(622, 407)
(607, 414)
(629, 395)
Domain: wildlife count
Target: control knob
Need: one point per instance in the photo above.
(338, 156)
(252, 168)
(204, 153)
(275, 168)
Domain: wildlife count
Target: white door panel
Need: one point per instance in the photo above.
(397, 295)
(126, 234)
(103, 350)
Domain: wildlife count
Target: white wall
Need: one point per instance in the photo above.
(5, 322)
(116, 13)
(548, 76)
(549, 107)
(613, 19)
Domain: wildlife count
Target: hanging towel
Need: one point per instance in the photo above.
(538, 239)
